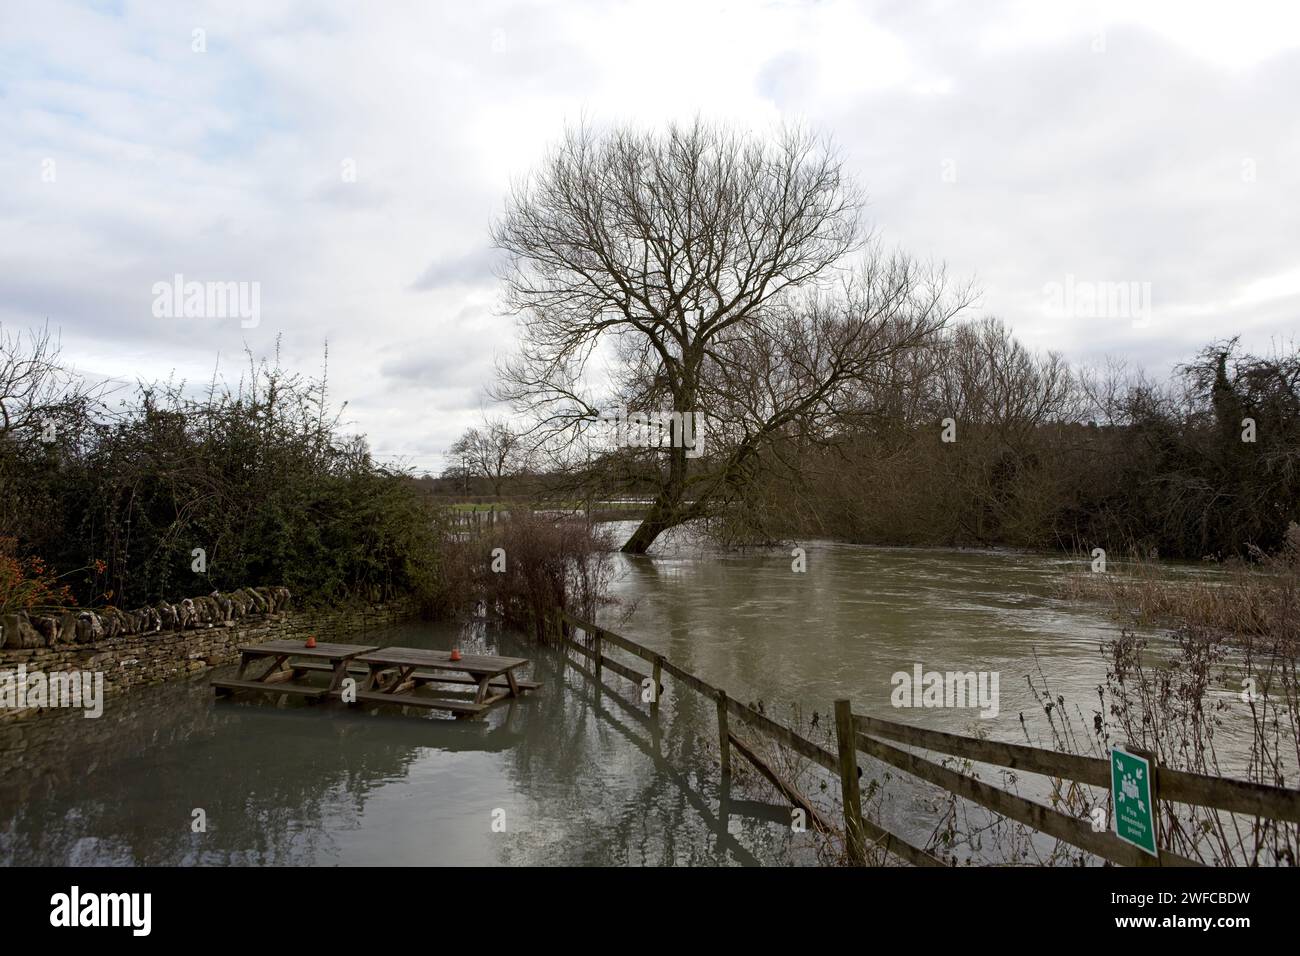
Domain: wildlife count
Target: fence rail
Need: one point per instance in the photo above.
(728, 707)
(857, 733)
(1179, 786)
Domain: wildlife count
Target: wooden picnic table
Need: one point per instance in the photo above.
(416, 666)
(280, 677)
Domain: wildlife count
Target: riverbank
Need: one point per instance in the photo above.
(1241, 603)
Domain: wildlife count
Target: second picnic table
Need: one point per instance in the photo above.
(415, 666)
(391, 673)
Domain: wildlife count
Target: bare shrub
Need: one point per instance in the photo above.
(533, 564)
(1230, 670)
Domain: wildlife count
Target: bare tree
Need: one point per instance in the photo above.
(494, 452)
(988, 378)
(704, 272)
(37, 391)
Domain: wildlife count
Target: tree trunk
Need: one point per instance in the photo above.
(666, 512)
(663, 514)
(651, 526)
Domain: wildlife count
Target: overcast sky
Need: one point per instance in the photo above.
(349, 157)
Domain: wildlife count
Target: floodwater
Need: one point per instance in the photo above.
(572, 773)
(560, 777)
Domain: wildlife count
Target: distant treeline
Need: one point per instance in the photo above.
(1040, 455)
(132, 498)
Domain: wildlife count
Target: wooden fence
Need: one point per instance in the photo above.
(856, 733)
(728, 708)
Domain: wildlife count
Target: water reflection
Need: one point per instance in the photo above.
(576, 774)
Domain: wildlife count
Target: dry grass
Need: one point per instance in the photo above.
(1245, 602)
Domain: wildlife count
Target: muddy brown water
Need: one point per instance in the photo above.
(571, 774)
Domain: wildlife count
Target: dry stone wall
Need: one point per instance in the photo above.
(168, 641)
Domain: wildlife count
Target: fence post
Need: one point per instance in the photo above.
(724, 743)
(657, 677)
(849, 789)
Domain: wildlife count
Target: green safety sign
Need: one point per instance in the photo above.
(1130, 787)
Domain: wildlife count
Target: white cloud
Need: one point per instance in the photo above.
(230, 164)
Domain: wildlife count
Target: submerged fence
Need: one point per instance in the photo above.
(857, 733)
(476, 521)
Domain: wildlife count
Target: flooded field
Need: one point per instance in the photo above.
(568, 774)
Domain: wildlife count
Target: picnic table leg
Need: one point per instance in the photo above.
(514, 683)
(340, 672)
(275, 665)
(244, 658)
(483, 689)
(400, 680)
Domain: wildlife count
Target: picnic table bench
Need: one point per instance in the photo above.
(280, 677)
(416, 666)
(432, 677)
